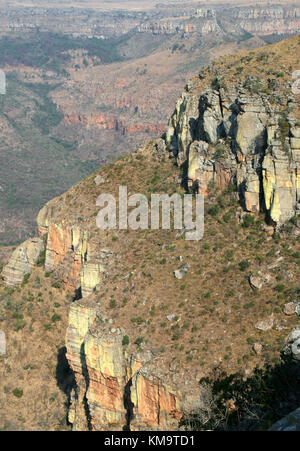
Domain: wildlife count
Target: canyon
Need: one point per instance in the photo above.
(76, 100)
(140, 344)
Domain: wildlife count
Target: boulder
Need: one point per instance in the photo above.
(289, 309)
(181, 272)
(22, 261)
(292, 346)
(257, 348)
(265, 324)
(99, 180)
(257, 282)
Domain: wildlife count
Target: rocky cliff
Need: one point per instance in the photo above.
(164, 19)
(246, 133)
(257, 20)
(268, 19)
(236, 125)
(118, 389)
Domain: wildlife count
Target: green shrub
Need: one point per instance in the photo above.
(139, 341)
(112, 303)
(220, 152)
(214, 210)
(227, 217)
(248, 221)
(243, 265)
(56, 285)
(18, 393)
(42, 258)
(125, 341)
(26, 279)
(55, 318)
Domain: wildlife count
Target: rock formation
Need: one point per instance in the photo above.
(119, 389)
(186, 18)
(292, 346)
(22, 261)
(229, 134)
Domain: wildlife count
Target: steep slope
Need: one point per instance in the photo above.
(139, 339)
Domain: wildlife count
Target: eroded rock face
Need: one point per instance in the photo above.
(155, 406)
(231, 135)
(66, 252)
(71, 254)
(292, 346)
(22, 261)
(115, 389)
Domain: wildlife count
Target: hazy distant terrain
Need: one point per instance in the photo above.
(85, 85)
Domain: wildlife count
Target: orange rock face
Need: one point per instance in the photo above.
(154, 406)
(65, 251)
(101, 121)
(119, 389)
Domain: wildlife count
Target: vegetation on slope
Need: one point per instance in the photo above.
(50, 51)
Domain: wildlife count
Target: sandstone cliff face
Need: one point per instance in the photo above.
(269, 19)
(115, 389)
(232, 135)
(102, 122)
(71, 254)
(258, 20)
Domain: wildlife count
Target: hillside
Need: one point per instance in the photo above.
(138, 339)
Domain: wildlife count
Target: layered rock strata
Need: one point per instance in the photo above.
(115, 388)
(229, 135)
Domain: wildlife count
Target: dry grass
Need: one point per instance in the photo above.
(32, 372)
(215, 309)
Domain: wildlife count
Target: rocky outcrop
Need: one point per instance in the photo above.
(115, 389)
(203, 27)
(292, 346)
(289, 423)
(103, 122)
(268, 19)
(258, 20)
(71, 256)
(232, 135)
(220, 134)
(22, 261)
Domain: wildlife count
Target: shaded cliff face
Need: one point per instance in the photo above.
(139, 340)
